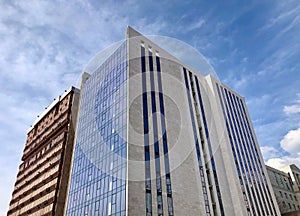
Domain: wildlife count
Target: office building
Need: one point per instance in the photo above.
(294, 172)
(155, 137)
(285, 187)
(41, 183)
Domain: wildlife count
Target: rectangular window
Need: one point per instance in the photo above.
(109, 209)
(148, 195)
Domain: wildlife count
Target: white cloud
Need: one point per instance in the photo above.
(269, 152)
(283, 12)
(291, 144)
(279, 163)
(45, 44)
(274, 63)
(291, 141)
(44, 48)
(293, 109)
(196, 25)
(152, 27)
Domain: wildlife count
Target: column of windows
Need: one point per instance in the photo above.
(235, 152)
(245, 161)
(165, 141)
(197, 146)
(212, 160)
(245, 153)
(155, 136)
(146, 135)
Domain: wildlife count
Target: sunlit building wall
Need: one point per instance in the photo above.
(42, 180)
(155, 137)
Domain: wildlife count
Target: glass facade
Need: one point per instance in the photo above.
(98, 181)
(99, 175)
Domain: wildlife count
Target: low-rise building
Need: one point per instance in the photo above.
(284, 187)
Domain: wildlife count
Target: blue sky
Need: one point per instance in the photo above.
(254, 47)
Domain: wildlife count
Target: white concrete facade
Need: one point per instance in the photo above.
(189, 144)
(198, 111)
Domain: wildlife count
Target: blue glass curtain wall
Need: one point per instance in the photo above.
(98, 180)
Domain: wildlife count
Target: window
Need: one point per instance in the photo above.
(146, 136)
(207, 209)
(197, 147)
(95, 190)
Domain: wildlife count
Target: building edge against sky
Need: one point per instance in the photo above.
(153, 137)
(42, 179)
(285, 183)
(234, 138)
(156, 137)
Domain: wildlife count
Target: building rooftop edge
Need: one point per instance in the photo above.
(48, 108)
(132, 33)
(275, 169)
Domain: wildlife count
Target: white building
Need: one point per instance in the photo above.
(155, 137)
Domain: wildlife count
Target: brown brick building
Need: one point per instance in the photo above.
(43, 176)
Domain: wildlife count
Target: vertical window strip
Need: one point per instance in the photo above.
(249, 150)
(156, 143)
(200, 166)
(233, 148)
(269, 194)
(251, 135)
(200, 130)
(148, 195)
(165, 142)
(255, 194)
(241, 157)
(209, 147)
(258, 162)
(251, 141)
(255, 173)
